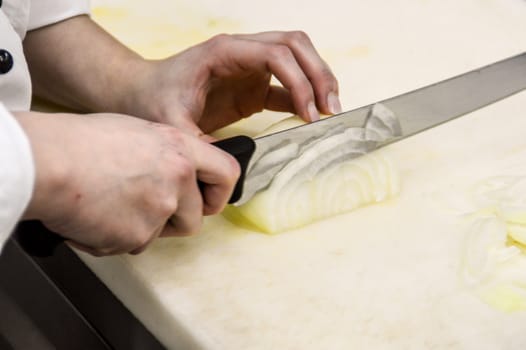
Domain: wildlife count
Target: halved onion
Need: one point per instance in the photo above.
(332, 175)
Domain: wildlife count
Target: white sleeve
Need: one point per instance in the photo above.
(43, 13)
(17, 173)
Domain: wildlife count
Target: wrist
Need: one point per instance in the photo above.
(50, 167)
(140, 97)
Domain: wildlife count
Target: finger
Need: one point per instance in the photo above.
(219, 172)
(142, 248)
(279, 100)
(325, 84)
(274, 58)
(188, 217)
(173, 229)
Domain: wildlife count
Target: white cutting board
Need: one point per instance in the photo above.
(382, 277)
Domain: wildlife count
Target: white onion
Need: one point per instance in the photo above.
(332, 175)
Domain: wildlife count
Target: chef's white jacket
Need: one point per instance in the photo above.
(17, 171)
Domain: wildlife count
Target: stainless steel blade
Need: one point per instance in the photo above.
(416, 111)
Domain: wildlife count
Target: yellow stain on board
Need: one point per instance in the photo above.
(506, 298)
(359, 51)
(158, 35)
(109, 13)
(354, 52)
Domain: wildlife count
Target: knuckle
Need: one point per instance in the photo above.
(179, 167)
(297, 36)
(218, 41)
(168, 205)
(173, 135)
(280, 52)
(325, 82)
(327, 76)
(184, 171)
(303, 89)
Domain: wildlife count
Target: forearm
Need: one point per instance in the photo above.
(77, 64)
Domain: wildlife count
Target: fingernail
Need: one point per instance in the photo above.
(334, 103)
(314, 115)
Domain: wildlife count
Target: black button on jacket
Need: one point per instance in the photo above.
(6, 60)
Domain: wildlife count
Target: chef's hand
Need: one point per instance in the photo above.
(111, 183)
(228, 77)
(205, 87)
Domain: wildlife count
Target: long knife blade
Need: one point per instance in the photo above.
(416, 111)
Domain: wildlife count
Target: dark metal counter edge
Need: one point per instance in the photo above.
(65, 300)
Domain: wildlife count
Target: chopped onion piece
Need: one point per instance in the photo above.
(495, 259)
(485, 237)
(517, 232)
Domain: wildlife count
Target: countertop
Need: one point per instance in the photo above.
(383, 277)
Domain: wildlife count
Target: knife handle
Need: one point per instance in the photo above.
(43, 244)
(242, 148)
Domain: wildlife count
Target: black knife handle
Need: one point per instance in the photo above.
(242, 148)
(43, 244)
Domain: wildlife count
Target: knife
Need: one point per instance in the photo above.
(261, 159)
(415, 111)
